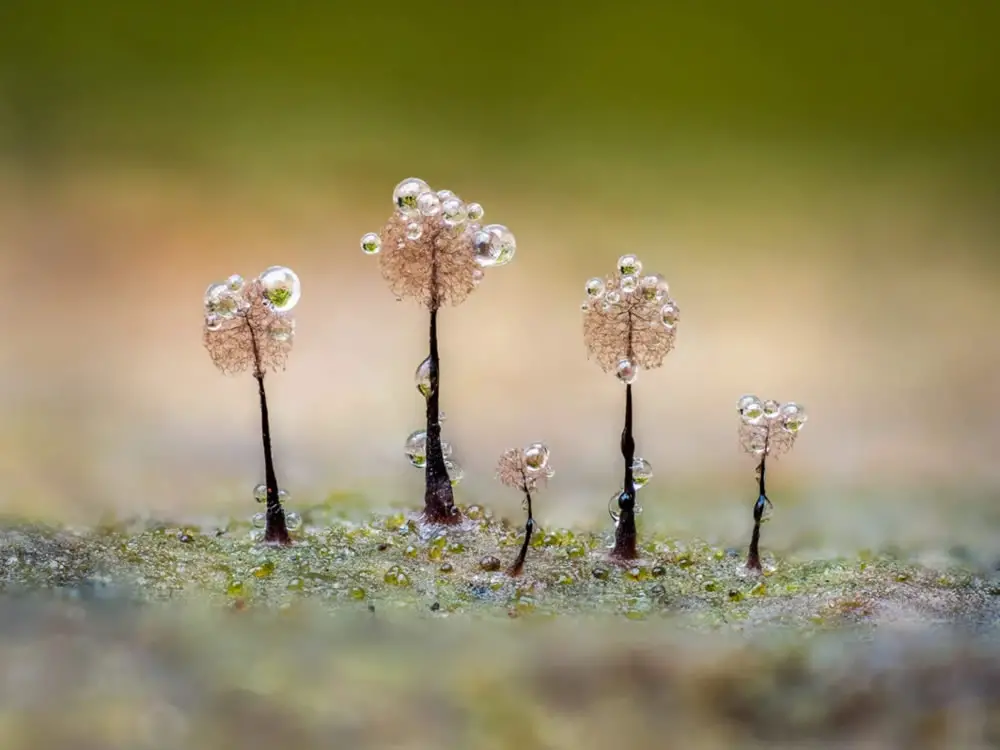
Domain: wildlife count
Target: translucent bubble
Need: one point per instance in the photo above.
(445, 194)
(595, 288)
(213, 321)
(235, 283)
(446, 449)
(653, 287)
(283, 496)
(670, 315)
(414, 231)
(757, 443)
(260, 493)
(793, 417)
(293, 521)
(482, 248)
(615, 508)
(626, 370)
(752, 411)
(642, 472)
(221, 301)
(504, 244)
(629, 265)
(628, 284)
(422, 377)
(429, 204)
(453, 211)
(282, 288)
(612, 297)
(771, 409)
(416, 448)
(259, 520)
(474, 211)
(455, 471)
(745, 401)
(282, 330)
(584, 307)
(536, 457)
(371, 244)
(406, 193)
(477, 276)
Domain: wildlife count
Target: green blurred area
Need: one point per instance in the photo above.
(522, 87)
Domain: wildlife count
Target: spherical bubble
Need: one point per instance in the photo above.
(628, 284)
(282, 289)
(455, 471)
(745, 400)
(793, 417)
(612, 297)
(213, 321)
(293, 521)
(453, 211)
(504, 243)
(260, 493)
(414, 231)
(752, 411)
(757, 443)
(282, 330)
(629, 265)
(422, 377)
(654, 288)
(283, 496)
(406, 193)
(429, 204)
(371, 244)
(584, 307)
(416, 448)
(474, 211)
(594, 288)
(445, 194)
(482, 248)
(670, 315)
(221, 301)
(771, 409)
(259, 520)
(536, 457)
(626, 370)
(642, 472)
(235, 283)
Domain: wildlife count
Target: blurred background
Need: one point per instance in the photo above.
(818, 183)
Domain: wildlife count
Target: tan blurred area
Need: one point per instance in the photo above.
(864, 288)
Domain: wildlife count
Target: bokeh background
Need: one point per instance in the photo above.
(818, 182)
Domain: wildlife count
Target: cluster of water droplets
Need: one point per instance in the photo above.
(790, 417)
(293, 521)
(415, 447)
(642, 472)
(629, 287)
(417, 203)
(227, 301)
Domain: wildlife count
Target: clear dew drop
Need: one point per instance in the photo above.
(594, 288)
(482, 248)
(669, 314)
(282, 288)
(213, 321)
(416, 448)
(629, 265)
(422, 377)
(406, 193)
(260, 493)
(626, 370)
(745, 401)
(455, 471)
(504, 244)
(221, 301)
(613, 297)
(453, 211)
(772, 409)
(259, 520)
(293, 521)
(283, 330)
(536, 457)
(445, 194)
(642, 472)
(235, 283)
(474, 212)
(477, 276)
(414, 231)
(653, 288)
(371, 244)
(429, 204)
(752, 411)
(793, 417)
(283, 496)
(584, 307)
(628, 284)
(615, 510)
(757, 443)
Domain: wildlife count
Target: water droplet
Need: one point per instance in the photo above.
(414, 231)
(453, 211)
(282, 330)
(584, 307)
(757, 443)
(629, 265)
(642, 472)
(482, 248)
(615, 508)
(429, 204)
(260, 493)
(474, 212)
(752, 410)
(445, 194)
(283, 495)
(406, 193)
(745, 401)
(455, 471)
(371, 243)
(213, 321)
(477, 276)
(221, 301)
(282, 288)
(612, 297)
(771, 409)
(654, 287)
(416, 448)
(670, 315)
(793, 417)
(594, 288)
(446, 449)
(293, 521)
(235, 283)
(442, 416)
(536, 457)
(504, 244)
(422, 377)
(259, 520)
(628, 284)
(626, 370)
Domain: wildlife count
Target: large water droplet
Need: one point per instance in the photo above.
(752, 410)
(474, 212)
(771, 409)
(429, 204)
(259, 520)
(260, 493)
(612, 297)
(628, 284)
(221, 301)
(371, 244)
(406, 193)
(422, 377)
(504, 244)
(594, 288)
(642, 472)
(416, 448)
(282, 330)
(745, 401)
(455, 471)
(293, 521)
(282, 288)
(414, 231)
(235, 283)
(653, 287)
(629, 265)
(283, 496)
(793, 417)
(670, 315)
(626, 370)
(453, 211)
(536, 457)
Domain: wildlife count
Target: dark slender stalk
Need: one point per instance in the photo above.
(439, 498)
(529, 526)
(753, 556)
(625, 533)
(275, 530)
